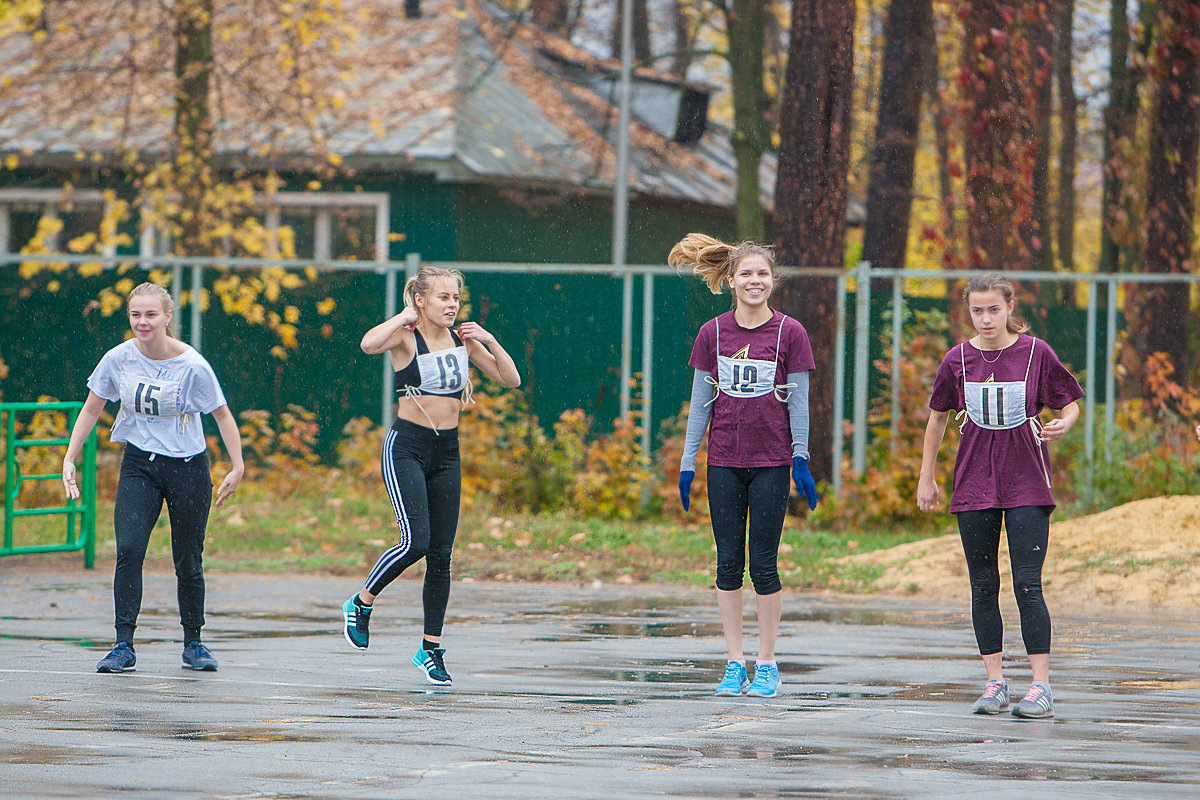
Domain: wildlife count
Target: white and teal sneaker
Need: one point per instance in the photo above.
(1037, 704)
(357, 618)
(432, 663)
(766, 681)
(735, 681)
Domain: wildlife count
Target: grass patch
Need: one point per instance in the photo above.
(343, 531)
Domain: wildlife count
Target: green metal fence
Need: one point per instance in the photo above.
(80, 514)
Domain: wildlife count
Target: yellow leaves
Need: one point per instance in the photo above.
(81, 244)
(314, 186)
(291, 314)
(287, 335)
(53, 286)
(397, 237)
(334, 159)
(11, 161)
(91, 269)
(279, 353)
(326, 307)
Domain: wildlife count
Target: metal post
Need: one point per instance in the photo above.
(1110, 378)
(647, 366)
(177, 296)
(621, 203)
(897, 335)
(862, 353)
(389, 311)
(1089, 421)
(197, 290)
(839, 382)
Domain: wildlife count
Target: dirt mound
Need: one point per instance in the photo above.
(1144, 553)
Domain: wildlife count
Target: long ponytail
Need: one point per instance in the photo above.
(714, 261)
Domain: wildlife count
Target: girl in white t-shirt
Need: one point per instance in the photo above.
(163, 386)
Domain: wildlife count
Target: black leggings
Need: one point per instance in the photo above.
(1028, 529)
(147, 479)
(760, 493)
(422, 475)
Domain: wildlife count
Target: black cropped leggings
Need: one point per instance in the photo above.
(147, 479)
(1028, 529)
(423, 478)
(756, 494)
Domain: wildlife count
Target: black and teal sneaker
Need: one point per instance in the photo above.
(431, 662)
(120, 659)
(357, 618)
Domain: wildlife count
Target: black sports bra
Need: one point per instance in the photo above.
(442, 372)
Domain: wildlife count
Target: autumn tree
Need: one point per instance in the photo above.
(811, 189)
(996, 78)
(908, 45)
(1168, 234)
(139, 89)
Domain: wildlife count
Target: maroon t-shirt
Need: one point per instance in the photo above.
(752, 431)
(1006, 468)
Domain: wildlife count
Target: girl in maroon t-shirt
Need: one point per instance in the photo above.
(758, 360)
(1001, 380)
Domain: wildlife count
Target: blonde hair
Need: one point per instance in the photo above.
(420, 283)
(995, 282)
(715, 261)
(158, 293)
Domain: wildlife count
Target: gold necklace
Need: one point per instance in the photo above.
(999, 353)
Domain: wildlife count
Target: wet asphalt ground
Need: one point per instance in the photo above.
(567, 691)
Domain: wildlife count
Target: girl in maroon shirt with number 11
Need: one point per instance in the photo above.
(1000, 381)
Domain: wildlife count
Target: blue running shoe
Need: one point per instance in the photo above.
(357, 618)
(432, 664)
(766, 681)
(197, 657)
(120, 659)
(1038, 703)
(735, 681)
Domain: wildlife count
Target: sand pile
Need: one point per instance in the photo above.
(1144, 553)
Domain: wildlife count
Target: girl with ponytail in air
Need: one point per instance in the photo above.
(421, 468)
(758, 362)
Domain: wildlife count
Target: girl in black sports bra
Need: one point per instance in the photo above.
(421, 469)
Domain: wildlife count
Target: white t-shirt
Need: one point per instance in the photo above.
(161, 401)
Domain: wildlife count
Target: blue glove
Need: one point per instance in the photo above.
(685, 487)
(803, 479)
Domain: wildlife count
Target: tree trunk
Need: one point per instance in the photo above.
(810, 192)
(1118, 240)
(908, 43)
(681, 59)
(1171, 179)
(195, 175)
(1040, 36)
(641, 32)
(551, 15)
(1068, 111)
(1001, 137)
(942, 120)
(744, 22)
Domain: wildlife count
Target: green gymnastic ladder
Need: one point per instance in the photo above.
(80, 514)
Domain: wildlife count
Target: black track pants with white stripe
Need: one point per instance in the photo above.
(423, 477)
